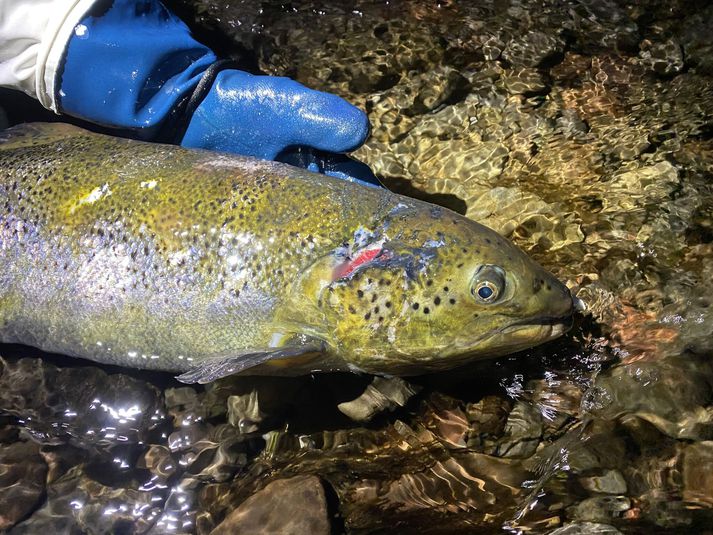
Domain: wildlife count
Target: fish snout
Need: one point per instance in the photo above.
(554, 300)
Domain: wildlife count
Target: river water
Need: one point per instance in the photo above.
(582, 130)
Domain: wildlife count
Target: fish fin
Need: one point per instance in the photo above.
(216, 367)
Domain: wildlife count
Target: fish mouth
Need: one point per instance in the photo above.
(538, 330)
(516, 336)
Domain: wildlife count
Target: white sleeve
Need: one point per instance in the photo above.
(33, 38)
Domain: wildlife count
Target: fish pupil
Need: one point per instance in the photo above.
(485, 292)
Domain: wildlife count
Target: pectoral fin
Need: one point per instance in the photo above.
(216, 367)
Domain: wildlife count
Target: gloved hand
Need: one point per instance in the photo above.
(262, 115)
(136, 66)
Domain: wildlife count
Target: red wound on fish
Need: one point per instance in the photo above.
(362, 257)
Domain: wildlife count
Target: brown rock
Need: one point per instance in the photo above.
(285, 506)
(22, 481)
(698, 473)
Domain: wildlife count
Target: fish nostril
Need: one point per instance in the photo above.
(536, 285)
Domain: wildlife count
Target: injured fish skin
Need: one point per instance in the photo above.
(158, 257)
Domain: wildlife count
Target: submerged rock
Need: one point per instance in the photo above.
(609, 482)
(294, 505)
(83, 406)
(698, 473)
(586, 528)
(381, 395)
(22, 481)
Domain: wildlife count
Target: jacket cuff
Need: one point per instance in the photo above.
(64, 23)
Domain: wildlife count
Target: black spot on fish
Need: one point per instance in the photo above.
(487, 240)
(373, 298)
(445, 288)
(426, 310)
(381, 318)
(429, 283)
(437, 301)
(452, 301)
(367, 315)
(415, 306)
(376, 310)
(388, 304)
(352, 309)
(360, 294)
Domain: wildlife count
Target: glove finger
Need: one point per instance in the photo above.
(330, 123)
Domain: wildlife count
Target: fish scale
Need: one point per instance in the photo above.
(155, 256)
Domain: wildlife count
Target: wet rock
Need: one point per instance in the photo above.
(696, 39)
(179, 510)
(60, 459)
(294, 505)
(244, 412)
(650, 184)
(488, 415)
(78, 504)
(230, 455)
(672, 514)
(601, 509)
(582, 451)
(446, 420)
(22, 481)
(381, 395)
(159, 462)
(609, 482)
(269, 396)
(665, 59)
(525, 217)
(186, 437)
(523, 432)
(531, 49)
(654, 391)
(586, 528)
(217, 455)
(523, 81)
(424, 490)
(84, 405)
(698, 473)
(185, 405)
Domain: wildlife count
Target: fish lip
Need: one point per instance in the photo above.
(566, 320)
(559, 325)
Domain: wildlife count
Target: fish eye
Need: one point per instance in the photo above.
(488, 284)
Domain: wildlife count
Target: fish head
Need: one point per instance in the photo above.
(443, 292)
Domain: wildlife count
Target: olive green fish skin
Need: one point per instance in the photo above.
(153, 256)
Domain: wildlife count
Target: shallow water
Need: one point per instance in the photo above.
(583, 130)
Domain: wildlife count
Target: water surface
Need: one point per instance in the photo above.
(582, 130)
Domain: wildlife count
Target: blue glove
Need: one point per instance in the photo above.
(135, 66)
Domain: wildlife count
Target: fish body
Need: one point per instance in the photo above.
(158, 257)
